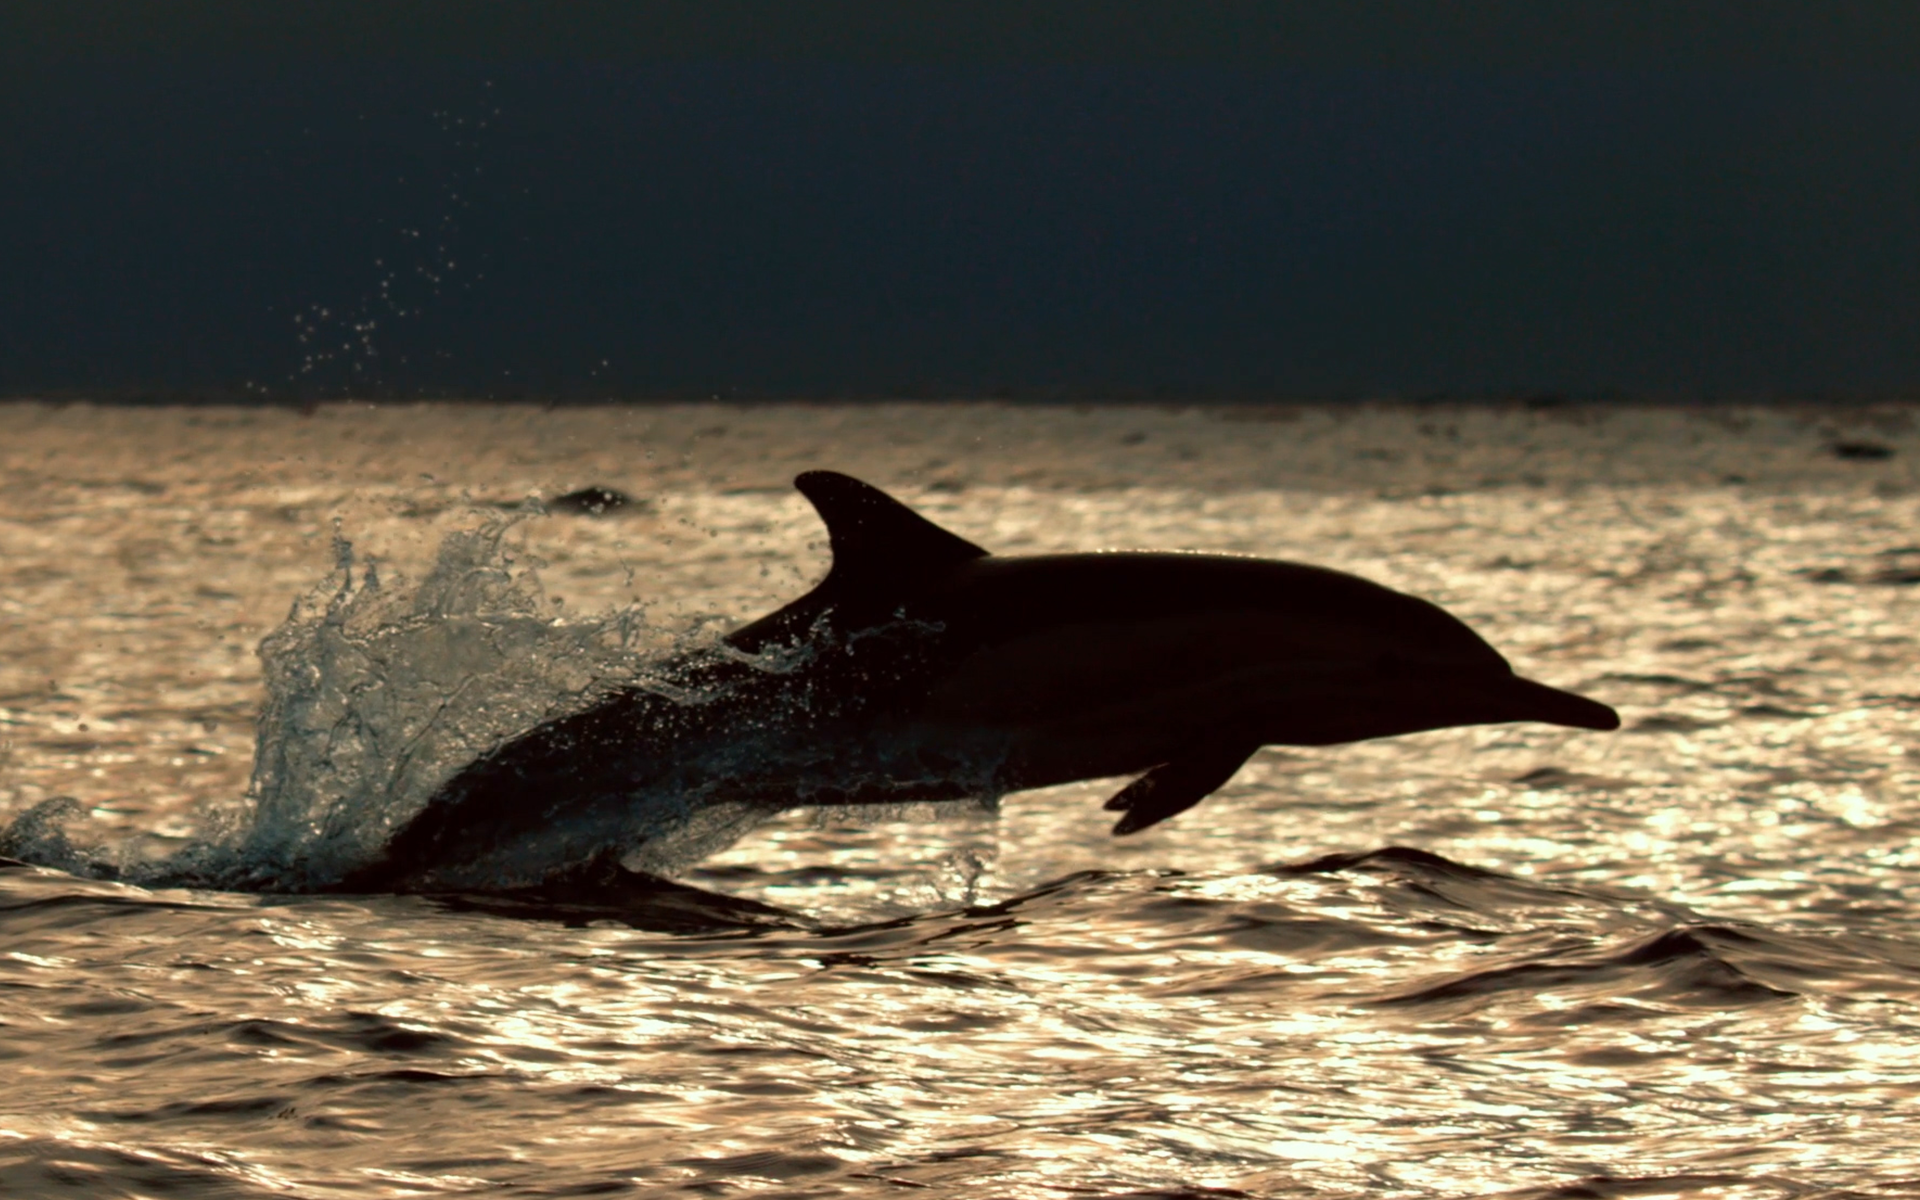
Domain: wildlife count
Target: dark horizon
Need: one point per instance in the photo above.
(1115, 202)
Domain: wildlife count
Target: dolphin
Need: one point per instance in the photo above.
(923, 668)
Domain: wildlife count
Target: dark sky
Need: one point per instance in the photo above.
(825, 199)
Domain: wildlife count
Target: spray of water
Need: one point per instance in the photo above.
(380, 689)
(376, 690)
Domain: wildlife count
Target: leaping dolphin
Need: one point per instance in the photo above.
(924, 668)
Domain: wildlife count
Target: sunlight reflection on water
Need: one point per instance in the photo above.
(1677, 958)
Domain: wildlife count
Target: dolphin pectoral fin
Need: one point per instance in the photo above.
(1176, 786)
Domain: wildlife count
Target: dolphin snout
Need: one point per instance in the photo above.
(1532, 701)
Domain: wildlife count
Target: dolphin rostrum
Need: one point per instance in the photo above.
(924, 668)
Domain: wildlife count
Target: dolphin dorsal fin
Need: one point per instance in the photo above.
(875, 538)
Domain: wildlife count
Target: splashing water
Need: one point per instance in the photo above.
(378, 690)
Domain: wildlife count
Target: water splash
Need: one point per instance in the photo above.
(39, 835)
(377, 689)
(380, 690)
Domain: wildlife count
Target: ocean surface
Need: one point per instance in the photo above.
(1522, 961)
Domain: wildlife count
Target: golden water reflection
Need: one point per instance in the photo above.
(1679, 955)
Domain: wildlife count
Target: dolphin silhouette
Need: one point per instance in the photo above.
(923, 668)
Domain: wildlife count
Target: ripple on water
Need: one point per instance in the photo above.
(1521, 962)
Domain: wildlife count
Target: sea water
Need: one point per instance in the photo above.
(1676, 959)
